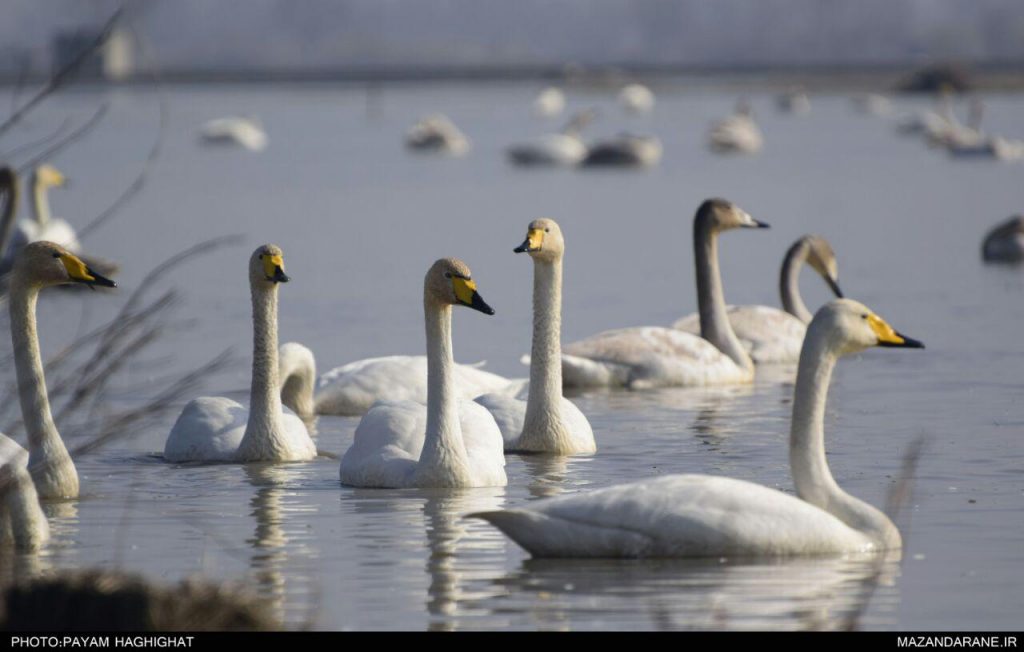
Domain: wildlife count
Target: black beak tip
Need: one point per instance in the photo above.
(908, 343)
(99, 279)
(518, 250)
(762, 225)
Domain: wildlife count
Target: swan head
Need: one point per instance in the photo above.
(721, 214)
(543, 241)
(822, 259)
(450, 283)
(266, 266)
(48, 176)
(45, 263)
(849, 326)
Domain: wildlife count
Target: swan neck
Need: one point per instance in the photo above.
(812, 477)
(444, 453)
(264, 431)
(714, 320)
(48, 457)
(543, 405)
(40, 201)
(789, 283)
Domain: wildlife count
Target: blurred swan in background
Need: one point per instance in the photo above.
(546, 422)
(626, 150)
(652, 356)
(563, 148)
(218, 429)
(23, 524)
(737, 133)
(794, 100)
(1005, 242)
(872, 104)
(549, 102)
(636, 98)
(437, 133)
(769, 334)
(235, 130)
(701, 515)
(449, 442)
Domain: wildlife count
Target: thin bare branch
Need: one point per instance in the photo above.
(75, 135)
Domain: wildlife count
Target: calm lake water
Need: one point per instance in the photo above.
(360, 220)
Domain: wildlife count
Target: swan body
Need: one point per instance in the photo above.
(652, 356)
(216, 429)
(624, 151)
(546, 422)
(235, 130)
(564, 148)
(636, 98)
(794, 101)
(446, 443)
(549, 102)
(43, 226)
(437, 133)
(700, 515)
(872, 104)
(23, 524)
(1005, 242)
(737, 133)
(771, 335)
(38, 265)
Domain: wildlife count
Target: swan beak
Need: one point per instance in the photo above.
(465, 292)
(79, 272)
(273, 268)
(888, 337)
(279, 276)
(534, 242)
(758, 224)
(833, 284)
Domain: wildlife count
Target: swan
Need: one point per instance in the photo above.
(636, 98)
(737, 133)
(23, 524)
(448, 442)
(1005, 242)
(794, 101)
(43, 226)
(652, 356)
(701, 515)
(549, 102)
(235, 130)
(437, 133)
(42, 264)
(563, 148)
(546, 422)
(217, 429)
(769, 334)
(872, 104)
(626, 150)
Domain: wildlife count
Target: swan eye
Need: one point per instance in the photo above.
(547, 230)
(56, 255)
(864, 316)
(447, 274)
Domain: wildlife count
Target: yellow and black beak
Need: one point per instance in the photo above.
(273, 268)
(465, 292)
(79, 272)
(888, 337)
(534, 242)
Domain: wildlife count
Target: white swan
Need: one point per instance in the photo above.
(652, 356)
(625, 150)
(737, 133)
(636, 98)
(217, 429)
(794, 101)
(38, 265)
(546, 422)
(702, 515)
(23, 524)
(235, 130)
(769, 334)
(437, 133)
(448, 442)
(43, 226)
(1005, 242)
(549, 102)
(563, 148)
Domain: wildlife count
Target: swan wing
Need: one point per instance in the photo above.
(676, 516)
(209, 429)
(508, 412)
(387, 444)
(768, 334)
(485, 446)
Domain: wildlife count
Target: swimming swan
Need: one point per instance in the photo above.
(235, 130)
(448, 442)
(563, 148)
(769, 334)
(625, 150)
(737, 133)
(549, 102)
(546, 422)
(39, 265)
(701, 515)
(636, 98)
(437, 133)
(217, 429)
(23, 524)
(1005, 243)
(652, 356)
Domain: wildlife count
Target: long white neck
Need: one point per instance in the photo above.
(297, 371)
(714, 321)
(40, 201)
(811, 475)
(51, 466)
(443, 462)
(789, 283)
(264, 437)
(543, 428)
